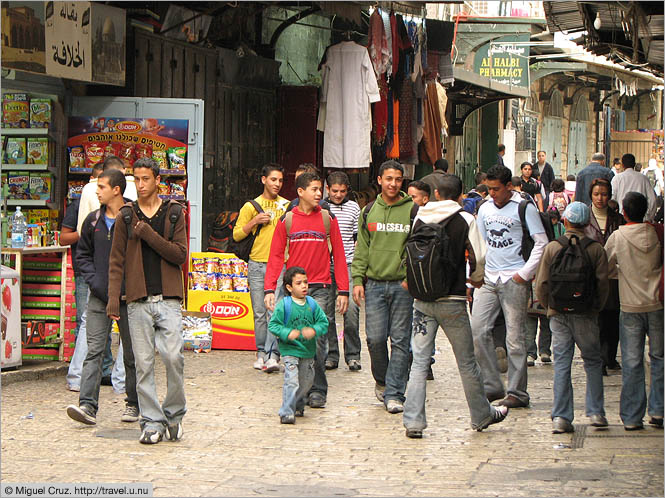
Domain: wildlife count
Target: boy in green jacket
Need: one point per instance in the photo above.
(383, 228)
(297, 321)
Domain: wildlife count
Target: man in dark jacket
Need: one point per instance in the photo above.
(440, 171)
(594, 170)
(544, 170)
(464, 239)
(92, 257)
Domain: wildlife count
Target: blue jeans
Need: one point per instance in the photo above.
(323, 297)
(81, 347)
(544, 338)
(491, 298)
(157, 322)
(634, 328)
(454, 320)
(351, 328)
(81, 296)
(98, 336)
(388, 314)
(298, 378)
(568, 330)
(266, 343)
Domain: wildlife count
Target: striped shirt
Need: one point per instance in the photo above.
(347, 214)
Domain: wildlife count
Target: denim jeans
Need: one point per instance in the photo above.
(266, 343)
(81, 348)
(568, 330)
(634, 328)
(81, 296)
(98, 327)
(351, 329)
(157, 322)
(512, 298)
(544, 337)
(323, 297)
(453, 318)
(298, 378)
(388, 314)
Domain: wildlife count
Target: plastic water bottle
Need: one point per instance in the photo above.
(18, 228)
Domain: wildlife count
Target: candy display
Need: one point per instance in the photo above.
(217, 274)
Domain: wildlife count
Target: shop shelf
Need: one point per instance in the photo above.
(172, 197)
(32, 202)
(172, 172)
(25, 167)
(27, 132)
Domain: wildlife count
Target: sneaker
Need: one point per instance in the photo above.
(76, 389)
(174, 432)
(656, 422)
(502, 359)
(287, 419)
(131, 414)
(560, 425)
(394, 406)
(545, 358)
(499, 413)
(430, 374)
(271, 366)
(300, 413)
(331, 365)
(598, 420)
(530, 361)
(316, 400)
(636, 427)
(414, 433)
(379, 392)
(258, 364)
(82, 413)
(511, 401)
(354, 365)
(150, 437)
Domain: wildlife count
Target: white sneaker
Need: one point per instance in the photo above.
(271, 366)
(394, 406)
(258, 364)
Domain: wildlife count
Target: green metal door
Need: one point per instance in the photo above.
(466, 151)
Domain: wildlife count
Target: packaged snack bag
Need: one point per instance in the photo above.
(198, 264)
(40, 113)
(111, 149)
(226, 284)
(40, 186)
(94, 153)
(160, 157)
(240, 283)
(37, 151)
(142, 150)
(15, 150)
(163, 189)
(176, 156)
(19, 185)
(76, 158)
(212, 265)
(15, 110)
(177, 189)
(126, 153)
(74, 188)
(199, 280)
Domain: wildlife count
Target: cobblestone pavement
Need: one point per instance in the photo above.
(234, 445)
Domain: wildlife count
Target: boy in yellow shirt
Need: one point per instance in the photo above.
(249, 219)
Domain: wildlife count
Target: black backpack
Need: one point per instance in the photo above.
(243, 248)
(572, 280)
(527, 241)
(174, 210)
(430, 270)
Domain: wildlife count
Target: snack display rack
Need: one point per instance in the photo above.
(218, 285)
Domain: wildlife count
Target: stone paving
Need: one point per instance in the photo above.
(234, 444)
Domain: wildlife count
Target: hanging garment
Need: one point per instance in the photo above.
(443, 102)
(431, 145)
(380, 112)
(393, 153)
(407, 150)
(378, 44)
(385, 16)
(348, 88)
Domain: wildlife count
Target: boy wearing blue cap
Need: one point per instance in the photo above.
(572, 284)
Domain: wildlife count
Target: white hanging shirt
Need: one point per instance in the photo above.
(349, 87)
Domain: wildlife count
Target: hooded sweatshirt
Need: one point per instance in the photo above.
(464, 237)
(384, 238)
(635, 253)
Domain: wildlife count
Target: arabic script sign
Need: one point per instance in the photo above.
(504, 61)
(68, 40)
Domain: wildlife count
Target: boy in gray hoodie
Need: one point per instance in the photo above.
(634, 251)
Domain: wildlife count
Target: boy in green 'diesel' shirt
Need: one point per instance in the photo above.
(297, 321)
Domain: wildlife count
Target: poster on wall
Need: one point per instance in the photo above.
(23, 45)
(108, 44)
(68, 40)
(505, 60)
(92, 139)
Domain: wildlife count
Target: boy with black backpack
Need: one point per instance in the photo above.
(442, 236)
(572, 284)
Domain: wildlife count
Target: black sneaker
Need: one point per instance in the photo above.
(150, 437)
(82, 413)
(174, 432)
(430, 374)
(499, 413)
(331, 365)
(656, 422)
(414, 433)
(287, 419)
(316, 400)
(354, 365)
(300, 413)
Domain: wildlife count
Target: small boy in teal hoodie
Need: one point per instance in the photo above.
(297, 321)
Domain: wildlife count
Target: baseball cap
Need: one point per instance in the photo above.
(577, 213)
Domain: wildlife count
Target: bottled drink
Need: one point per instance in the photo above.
(18, 228)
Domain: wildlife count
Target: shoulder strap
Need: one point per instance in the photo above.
(311, 302)
(586, 242)
(564, 241)
(288, 222)
(127, 212)
(174, 211)
(287, 308)
(366, 211)
(259, 209)
(414, 212)
(521, 210)
(326, 221)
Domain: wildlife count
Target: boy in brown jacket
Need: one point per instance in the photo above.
(578, 274)
(149, 246)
